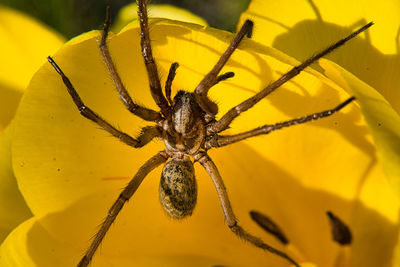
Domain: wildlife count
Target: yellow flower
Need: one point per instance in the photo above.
(22, 55)
(129, 13)
(70, 172)
(24, 43)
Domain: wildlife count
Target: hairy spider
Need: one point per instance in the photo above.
(188, 126)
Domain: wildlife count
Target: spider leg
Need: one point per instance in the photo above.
(93, 116)
(211, 78)
(168, 83)
(154, 79)
(125, 195)
(212, 170)
(226, 119)
(219, 140)
(142, 112)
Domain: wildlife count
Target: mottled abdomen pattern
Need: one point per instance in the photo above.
(178, 188)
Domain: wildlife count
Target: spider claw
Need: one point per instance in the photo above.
(250, 30)
(55, 66)
(106, 26)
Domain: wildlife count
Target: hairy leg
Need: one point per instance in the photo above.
(125, 195)
(226, 119)
(232, 222)
(142, 112)
(223, 140)
(212, 77)
(93, 116)
(154, 79)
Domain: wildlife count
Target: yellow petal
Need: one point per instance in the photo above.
(385, 126)
(129, 14)
(382, 119)
(30, 244)
(13, 209)
(24, 43)
(293, 175)
(301, 28)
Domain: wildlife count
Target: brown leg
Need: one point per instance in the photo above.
(154, 79)
(224, 122)
(212, 170)
(126, 194)
(144, 113)
(172, 73)
(211, 78)
(219, 140)
(143, 139)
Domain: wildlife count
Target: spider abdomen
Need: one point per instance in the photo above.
(178, 188)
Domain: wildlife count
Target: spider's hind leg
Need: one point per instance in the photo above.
(125, 195)
(232, 222)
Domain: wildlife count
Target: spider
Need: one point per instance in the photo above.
(188, 126)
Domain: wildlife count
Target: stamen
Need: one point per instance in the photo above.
(340, 231)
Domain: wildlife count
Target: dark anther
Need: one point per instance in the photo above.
(268, 225)
(340, 231)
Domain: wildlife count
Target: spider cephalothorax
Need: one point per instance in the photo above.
(186, 113)
(188, 127)
(184, 131)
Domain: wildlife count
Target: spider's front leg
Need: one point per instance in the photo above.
(142, 112)
(234, 112)
(148, 133)
(212, 77)
(154, 79)
(125, 195)
(232, 222)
